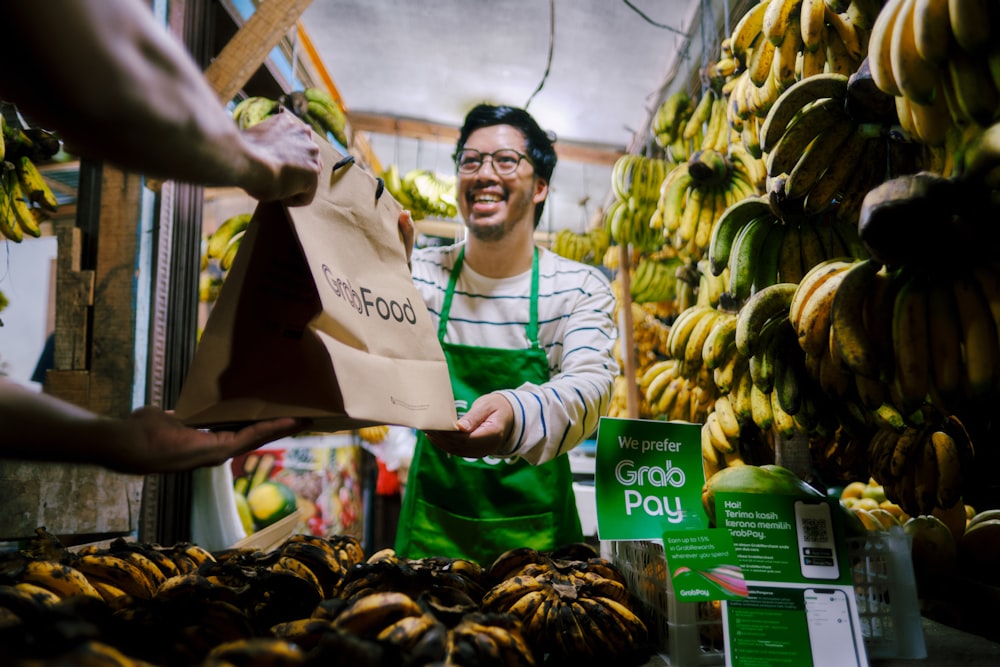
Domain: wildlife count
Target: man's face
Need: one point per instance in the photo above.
(492, 204)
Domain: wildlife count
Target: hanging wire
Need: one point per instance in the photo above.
(651, 21)
(552, 44)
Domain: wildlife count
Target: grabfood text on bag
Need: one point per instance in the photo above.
(367, 304)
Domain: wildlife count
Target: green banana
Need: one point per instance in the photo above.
(769, 303)
(743, 258)
(731, 221)
(221, 238)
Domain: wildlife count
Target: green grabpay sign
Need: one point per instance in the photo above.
(648, 478)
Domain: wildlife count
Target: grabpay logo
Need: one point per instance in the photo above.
(649, 483)
(367, 303)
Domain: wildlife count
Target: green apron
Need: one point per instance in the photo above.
(478, 508)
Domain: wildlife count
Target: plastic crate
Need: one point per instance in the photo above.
(690, 633)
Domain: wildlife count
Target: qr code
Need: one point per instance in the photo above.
(814, 530)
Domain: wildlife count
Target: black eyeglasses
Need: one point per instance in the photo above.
(505, 160)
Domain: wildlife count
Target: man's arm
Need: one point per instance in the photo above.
(38, 427)
(117, 86)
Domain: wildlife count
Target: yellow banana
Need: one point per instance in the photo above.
(760, 408)
(914, 76)
(847, 324)
(945, 340)
(822, 151)
(34, 186)
(932, 30)
(880, 49)
(691, 353)
(116, 571)
(720, 341)
(812, 22)
(981, 358)
(911, 344)
(777, 17)
(747, 31)
(63, 580)
(971, 24)
(949, 468)
(19, 204)
(813, 322)
(812, 280)
(811, 122)
(370, 614)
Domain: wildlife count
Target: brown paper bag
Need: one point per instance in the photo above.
(319, 318)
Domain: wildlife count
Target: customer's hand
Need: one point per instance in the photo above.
(152, 440)
(287, 145)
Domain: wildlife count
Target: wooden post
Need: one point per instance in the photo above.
(626, 332)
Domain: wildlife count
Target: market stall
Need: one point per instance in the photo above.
(801, 246)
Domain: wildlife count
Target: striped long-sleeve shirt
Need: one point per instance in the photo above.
(576, 329)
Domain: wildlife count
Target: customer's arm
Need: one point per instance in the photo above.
(38, 427)
(117, 86)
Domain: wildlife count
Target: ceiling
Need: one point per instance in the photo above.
(409, 71)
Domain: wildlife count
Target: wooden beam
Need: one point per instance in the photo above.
(248, 48)
(410, 128)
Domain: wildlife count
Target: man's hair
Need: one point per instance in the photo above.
(539, 143)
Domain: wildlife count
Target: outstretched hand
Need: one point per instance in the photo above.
(160, 443)
(482, 431)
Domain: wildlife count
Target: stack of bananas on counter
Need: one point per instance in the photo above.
(310, 600)
(25, 196)
(313, 105)
(576, 604)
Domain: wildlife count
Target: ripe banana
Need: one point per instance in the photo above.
(880, 48)
(34, 186)
(911, 344)
(813, 121)
(847, 324)
(63, 580)
(794, 99)
(116, 571)
(769, 303)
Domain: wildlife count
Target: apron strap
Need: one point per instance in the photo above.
(532, 329)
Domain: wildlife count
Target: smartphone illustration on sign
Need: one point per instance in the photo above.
(816, 546)
(831, 634)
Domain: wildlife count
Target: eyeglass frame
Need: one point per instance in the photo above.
(482, 161)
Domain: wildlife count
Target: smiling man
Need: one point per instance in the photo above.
(529, 339)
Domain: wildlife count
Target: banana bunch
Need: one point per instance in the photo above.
(635, 184)
(937, 58)
(813, 148)
(424, 193)
(668, 124)
(254, 109)
(759, 248)
(312, 105)
(781, 394)
(923, 466)
(589, 247)
(373, 434)
(779, 42)
(25, 196)
(223, 243)
(132, 571)
(695, 193)
(654, 280)
(574, 608)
